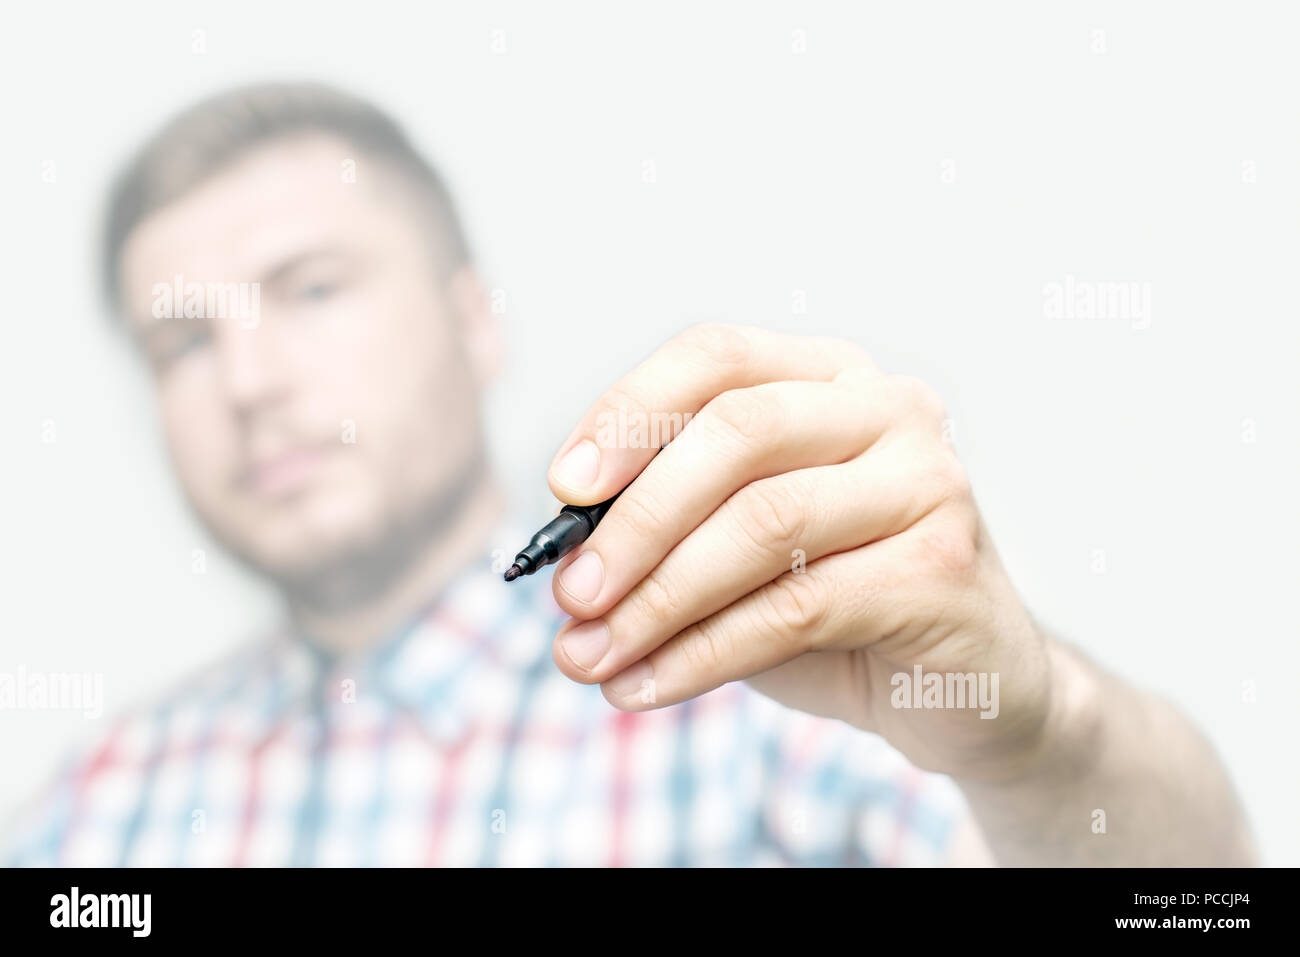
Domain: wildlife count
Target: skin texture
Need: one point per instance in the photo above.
(811, 531)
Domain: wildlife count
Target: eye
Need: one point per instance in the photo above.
(317, 291)
(177, 342)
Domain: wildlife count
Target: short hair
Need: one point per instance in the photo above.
(208, 136)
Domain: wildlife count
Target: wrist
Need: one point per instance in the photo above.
(1065, 741)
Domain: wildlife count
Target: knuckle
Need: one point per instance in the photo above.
(950, 549)
(653, 600)
(796, 605)
(641, 516)
(950, 478)
(744, 415)
(772, 514)
(704, 647)
(919, 396)
(855, 355)
(959, 484)
(618, 399)
(857, 378)
(718, 343)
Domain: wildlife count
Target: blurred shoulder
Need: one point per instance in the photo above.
(99, 781)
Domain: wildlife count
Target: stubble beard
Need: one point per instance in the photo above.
(362, 572)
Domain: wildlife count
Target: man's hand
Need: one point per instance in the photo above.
(810, 530)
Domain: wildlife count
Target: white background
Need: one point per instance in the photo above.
(1111, 155)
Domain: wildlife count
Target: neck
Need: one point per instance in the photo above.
(352, 628)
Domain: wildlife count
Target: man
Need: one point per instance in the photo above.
(791, 639)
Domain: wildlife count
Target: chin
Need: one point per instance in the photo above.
(305, 534)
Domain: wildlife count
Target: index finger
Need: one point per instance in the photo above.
(619, 435)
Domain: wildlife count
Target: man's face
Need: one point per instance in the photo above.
(350, 404)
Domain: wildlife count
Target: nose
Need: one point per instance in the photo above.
(253, 367)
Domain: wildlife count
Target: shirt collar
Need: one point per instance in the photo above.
(448, 665)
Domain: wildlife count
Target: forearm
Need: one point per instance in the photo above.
(1120, 777)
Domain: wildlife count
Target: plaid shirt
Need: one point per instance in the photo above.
(458, 742)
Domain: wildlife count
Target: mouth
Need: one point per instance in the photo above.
(282, 474)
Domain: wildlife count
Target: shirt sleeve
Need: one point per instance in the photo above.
(835, 795)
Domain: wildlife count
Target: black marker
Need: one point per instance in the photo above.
(561, 535)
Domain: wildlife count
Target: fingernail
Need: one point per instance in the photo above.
(634, 685)
(586, 644)
(582, 579)
(579, 466)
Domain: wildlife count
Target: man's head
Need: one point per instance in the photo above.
(328, 440)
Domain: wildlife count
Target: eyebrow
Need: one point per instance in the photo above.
(286, 266)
